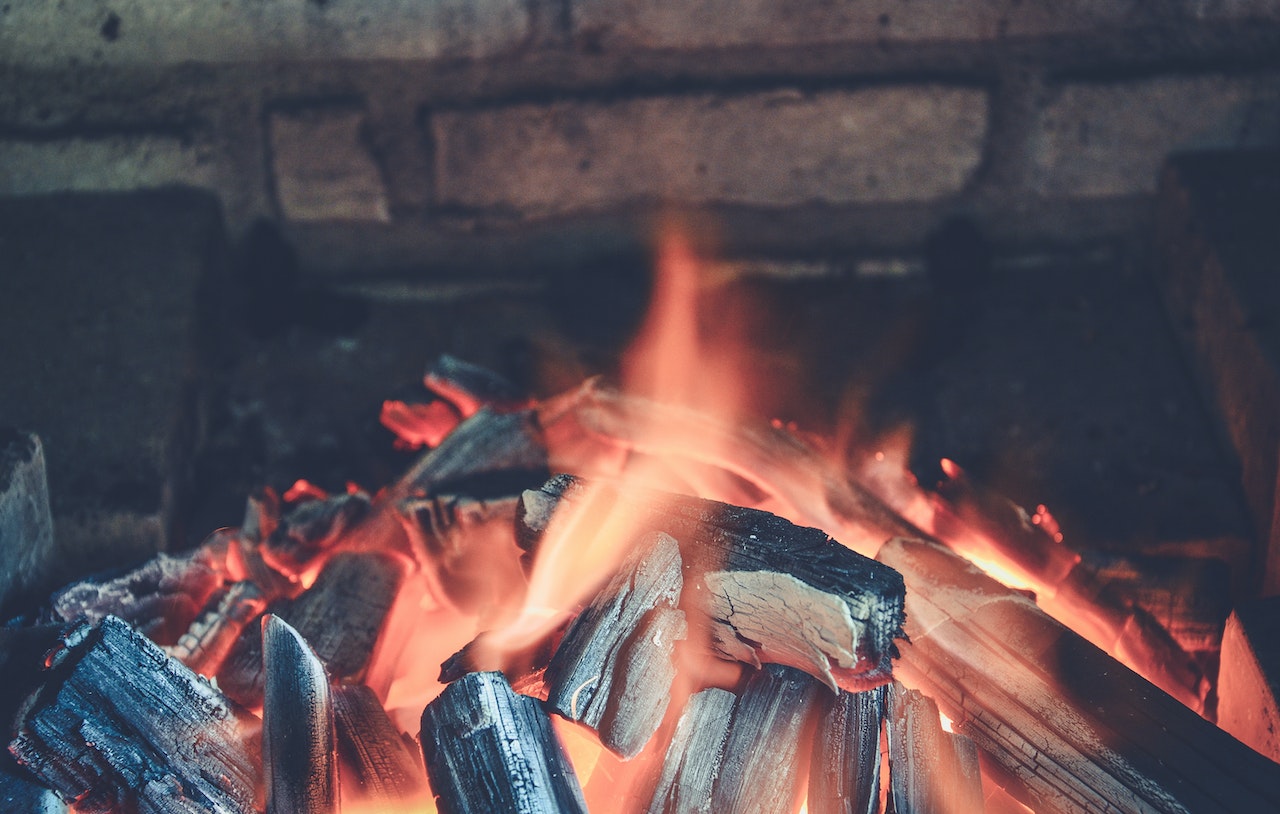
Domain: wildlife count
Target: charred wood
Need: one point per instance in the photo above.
(261, 515)
(767, 749)
(1077, 730)
(120, 726)
(771, 591)
(488, 454)
(930, 769)
(685, 783)
(340, 616)
(311, 527)
(380, 765)
(844, 769)
(20, 794)
(614, 667)
(27, 552)
(210, 638)
(299, 746)
(161, 598)
(469, 386)
(1249, 676)
(488, 749)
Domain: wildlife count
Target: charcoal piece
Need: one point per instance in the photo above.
(1249, 676)
(488, 454)
(379, 764)
(1071, 727)
(207, 642)
(161, 597)
(844, 769)
(340, 616)
(693, 757)
(311, 527)
(488, 749)
(772, 591)
(20, 794)
(469, 386)
(930, 769)
(466, 546)
(613, 669)
(120, 726)
(27, 554)
(299, 747)
(766, 753)
(261, 515)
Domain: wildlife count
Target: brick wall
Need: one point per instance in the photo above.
(383, 132)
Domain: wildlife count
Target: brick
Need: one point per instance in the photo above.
(631, 24)
(769, 149)
(36, 32)
(108, 164)
(1112, 138)
(322, 169)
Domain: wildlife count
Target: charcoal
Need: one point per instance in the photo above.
(469, 386)
(380, 765)
(693, 757)
(488, 749)
(766, 752)
(120, 726)
(844, 772)
(930, 769)
(312, 527)
(27, 553)
(299, 745)
(489, 454)
(613, 669)
(211, 636)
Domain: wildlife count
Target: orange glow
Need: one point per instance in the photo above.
(303, 488)
(419, 425)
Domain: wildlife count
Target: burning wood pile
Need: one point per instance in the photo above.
(602, 601)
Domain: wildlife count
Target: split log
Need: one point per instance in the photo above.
(488, 454)
(1078, 730)
(120, 726)
(299, 746)
(930, 769)
(379, 764)
(770, 591)
(692, 763)
(340, 616)
(27, 553)
(488, 749)
(766, 754)
(161, 597)
(615, 665)
(844, 769)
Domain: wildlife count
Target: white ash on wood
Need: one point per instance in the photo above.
(844, 769)
(930, 769)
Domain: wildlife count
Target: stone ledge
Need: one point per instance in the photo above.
(899, 144)
(113, 163)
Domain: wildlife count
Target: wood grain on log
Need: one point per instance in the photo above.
(930, 769)
(120, 726)
(614, 667)
(488, 446)
(771, 591)
(299, 747)
(1078, 730)
(693, 757)
(844, 772)
(488, 749)
(379, 764)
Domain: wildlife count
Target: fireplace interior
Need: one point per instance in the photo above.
(1034, 245)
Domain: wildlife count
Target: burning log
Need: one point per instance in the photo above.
(379, 764)
(489, 453)
(470, 387)
(298, 741)
(693, 757)
(1074, 728)
(312, 527)
(341, 616)
(797, 481)
(765, 758)
(26, 528)
(614, 667)
(844, 769)
(488, 749)
(120, 726)
(771, 591)
(210, 638)
(1249, 676)
(930, 769)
